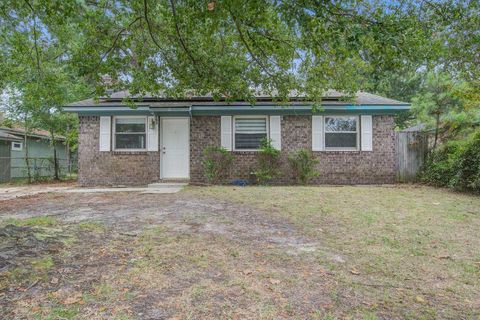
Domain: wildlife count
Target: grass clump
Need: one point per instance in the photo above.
(60, 312)
(42, 221)
(91, 226)
(43, 264)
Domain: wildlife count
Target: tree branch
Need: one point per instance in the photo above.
(264, 54)
(118, 36)
(150, 32)
(247, 46)
(437, 10)
(35, 37)
(150, 29)
(270, 37)
(180, 38)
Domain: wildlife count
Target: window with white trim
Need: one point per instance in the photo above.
(249, 132)
(341, 132)
(17, 146)
(130, 133)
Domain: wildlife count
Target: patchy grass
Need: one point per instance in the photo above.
(43, 264)
(91, 226)
(254, 253)
(40, 221)
(57, 312)
(392, 239)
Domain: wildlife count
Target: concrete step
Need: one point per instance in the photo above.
(162, 185)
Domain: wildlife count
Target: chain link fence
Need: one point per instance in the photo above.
(17, 168)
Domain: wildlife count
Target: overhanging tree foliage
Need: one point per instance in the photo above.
(56, 51)
(228, 48)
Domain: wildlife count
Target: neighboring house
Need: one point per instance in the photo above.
(40, 153)
(7, 141)
(163, 139)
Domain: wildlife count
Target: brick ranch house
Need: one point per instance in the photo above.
(163, 139)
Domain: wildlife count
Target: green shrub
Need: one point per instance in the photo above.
(303, 164)
(268, 162)
(216, 164)
(456, 164)
(441, 166)
(469, 166)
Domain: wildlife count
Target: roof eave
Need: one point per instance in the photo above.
(10, 138)
(30, 135)
(200, 110)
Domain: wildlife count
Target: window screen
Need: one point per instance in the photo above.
(249, 132)
(341, 132)
(130, 133)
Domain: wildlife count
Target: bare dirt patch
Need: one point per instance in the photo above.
(254, 253)
(11, 191)
(21, 243)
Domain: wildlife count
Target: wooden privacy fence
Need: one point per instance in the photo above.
(411, 151)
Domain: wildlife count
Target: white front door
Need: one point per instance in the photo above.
(175, 137)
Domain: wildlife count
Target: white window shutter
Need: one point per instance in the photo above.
(367, 133)
(152, 136)
(226, 132)
(317, 133)
(276, 132)
(105, 133)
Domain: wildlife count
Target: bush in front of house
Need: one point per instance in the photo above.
(216, 164)
(303, 164)
(456, 164)
(268, 163)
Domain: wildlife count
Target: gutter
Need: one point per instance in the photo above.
(202, 110)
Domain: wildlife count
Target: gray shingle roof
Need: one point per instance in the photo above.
(331, 97)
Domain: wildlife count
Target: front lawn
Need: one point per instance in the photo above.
(235, 253)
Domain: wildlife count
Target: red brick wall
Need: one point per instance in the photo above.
(111, 168)
(335, 167)
(204, 132)
(347, 167)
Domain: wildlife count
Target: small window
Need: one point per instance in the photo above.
(17, 146)
(249, 132)
(341, 133)
(130, 133)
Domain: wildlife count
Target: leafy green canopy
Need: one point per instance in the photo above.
(224, 47)
(448, 105)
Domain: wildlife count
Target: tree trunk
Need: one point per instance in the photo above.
(55, 160)
(27, 159)
(67, 145)
(437, 127)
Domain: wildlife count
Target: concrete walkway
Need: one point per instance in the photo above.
(7, 193)
(12, 192)
(139, 189)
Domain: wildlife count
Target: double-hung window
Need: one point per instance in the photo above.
(249, 132)
(341, 132)
(130, 133)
